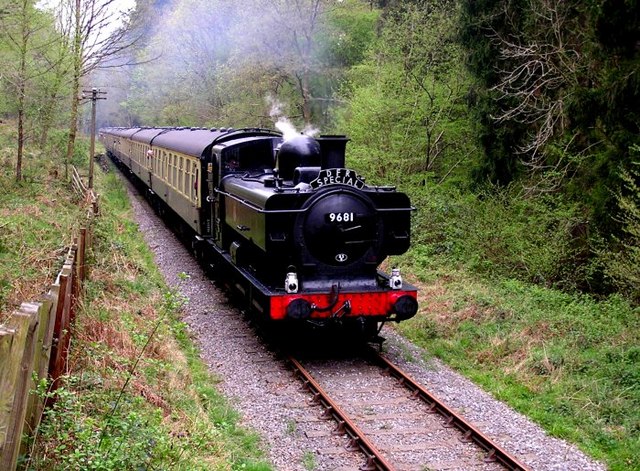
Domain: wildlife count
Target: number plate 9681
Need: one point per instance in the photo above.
(340, 217)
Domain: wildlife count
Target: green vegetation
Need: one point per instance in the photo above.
(557, 95)
(623, 265)
(570, 362)
(527, 287)
(309, 460)
(137, 395)
(37, 216)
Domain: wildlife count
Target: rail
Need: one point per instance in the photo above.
(375, 459)
(453, 419)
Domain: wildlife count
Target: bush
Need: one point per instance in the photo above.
(499, 233)
(57, 145)
(622, 263)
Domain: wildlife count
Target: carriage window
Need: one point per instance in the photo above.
(172, 169)
(164, 165)
(174, 177)
(187, 177)
(169, 168)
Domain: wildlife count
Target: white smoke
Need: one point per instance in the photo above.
(287, 129)
(310, 131)
(284, 125)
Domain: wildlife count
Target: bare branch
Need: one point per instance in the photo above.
(536, 78)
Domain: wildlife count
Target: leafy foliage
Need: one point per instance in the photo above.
(204, 69)
(498, 234)
(623, 265)
(137, 395)
(413, 117)
(33, 60)
(557, 94)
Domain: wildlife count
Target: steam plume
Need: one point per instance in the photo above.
(283, 124)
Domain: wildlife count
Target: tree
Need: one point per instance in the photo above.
(284, 45)
(558, 94)
(412, 118)
(30, 35)
(623, 265)
(92, 27)
(207, 70)
(178, 82)
(538, 72)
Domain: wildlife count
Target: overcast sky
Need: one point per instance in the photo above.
(124, 5)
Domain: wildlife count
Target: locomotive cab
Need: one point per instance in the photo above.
(251, 155)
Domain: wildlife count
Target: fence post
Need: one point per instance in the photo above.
(41, 362)
(11, 346)
(57, 361)
(82, 244)
(71, 267)
(25, 323)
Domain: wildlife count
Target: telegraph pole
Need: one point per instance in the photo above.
(95, 96)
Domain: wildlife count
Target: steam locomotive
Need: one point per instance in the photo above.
(282, 222)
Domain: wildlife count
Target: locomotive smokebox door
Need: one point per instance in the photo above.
(339, 230)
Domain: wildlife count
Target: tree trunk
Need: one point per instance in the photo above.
(75, 88)
(306, 99)
(73, 124)
(48, 111)
(22, 79)
(20, 140)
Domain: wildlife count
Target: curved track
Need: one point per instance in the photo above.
(394, 421)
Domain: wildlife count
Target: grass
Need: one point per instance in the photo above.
(568, 361)
(37, 217)
(137, 396)
(309, 460)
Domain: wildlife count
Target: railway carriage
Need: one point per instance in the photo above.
(284, 223)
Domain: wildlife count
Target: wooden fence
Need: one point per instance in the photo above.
(34, 344)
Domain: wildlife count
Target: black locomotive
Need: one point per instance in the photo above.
(300, 236)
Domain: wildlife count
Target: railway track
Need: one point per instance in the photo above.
(394, 421)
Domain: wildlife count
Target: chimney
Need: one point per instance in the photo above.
(332, 150)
